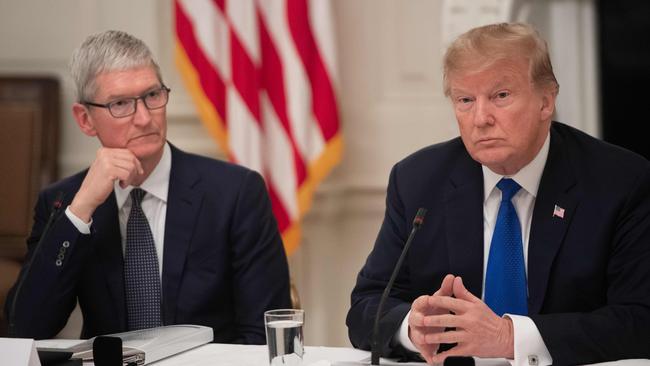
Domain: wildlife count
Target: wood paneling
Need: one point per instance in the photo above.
(29, 128)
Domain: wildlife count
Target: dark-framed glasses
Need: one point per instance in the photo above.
(153, 99)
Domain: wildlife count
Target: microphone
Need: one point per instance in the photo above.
(375, 350)
(56, 206)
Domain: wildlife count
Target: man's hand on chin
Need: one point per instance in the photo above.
(109, 165)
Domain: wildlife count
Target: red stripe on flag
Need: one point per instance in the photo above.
(211, 83)
(221, 4)
(272, 80)
(278, 209)
(323, 99)
(245, 76)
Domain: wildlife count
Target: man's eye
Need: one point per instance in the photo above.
(503, 94)
(153, 94)
(464, 100)
(120, 103)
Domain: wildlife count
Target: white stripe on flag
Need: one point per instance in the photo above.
(212, 33)
(243, 21)
(296, 82)
(279, 158)
(244, 132)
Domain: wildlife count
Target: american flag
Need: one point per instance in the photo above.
(558, 212)
(261, 73)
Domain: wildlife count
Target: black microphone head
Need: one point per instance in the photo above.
(58, 201)
(419, 217)
(107, 351)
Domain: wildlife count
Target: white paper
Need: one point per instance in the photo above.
(19, 352)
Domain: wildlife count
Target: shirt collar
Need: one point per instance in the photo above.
(527, 177)
(156, 184)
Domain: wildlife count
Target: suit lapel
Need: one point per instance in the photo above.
(463, 217)
(547, 229)
(183, 203)
(106, 229)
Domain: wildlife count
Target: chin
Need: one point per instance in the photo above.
(146, 151)
(490, 158)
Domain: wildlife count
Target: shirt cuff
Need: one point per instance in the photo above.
(402, 336)
(530, 349)
(83, 227)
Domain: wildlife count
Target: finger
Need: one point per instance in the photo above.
(126, 165)
(459, 350)
(416, 319)
(416, 335)
(420, 304)
(444, 321)
(127, 157)
(446, 287)
(123, 155)
(452, 336)
(124, 175)
(461, 292)
(458, 306)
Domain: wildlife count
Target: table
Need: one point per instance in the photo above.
(244, 355)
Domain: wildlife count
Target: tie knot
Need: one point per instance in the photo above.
(508, 188)
(136, 196)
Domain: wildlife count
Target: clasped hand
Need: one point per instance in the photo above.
(478, 330)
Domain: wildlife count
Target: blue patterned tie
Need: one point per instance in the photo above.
(141, 274)
(505, 278)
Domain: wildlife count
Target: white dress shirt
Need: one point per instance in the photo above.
(154, 205)
(529, 347)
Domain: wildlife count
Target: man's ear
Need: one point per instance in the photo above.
(84, 120)
(548, 104)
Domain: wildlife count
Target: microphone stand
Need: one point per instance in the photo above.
(56, 206)
(375, 350)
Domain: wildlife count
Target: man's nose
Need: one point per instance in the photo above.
(484, 113)
(142, 114)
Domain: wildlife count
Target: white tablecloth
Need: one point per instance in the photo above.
(241, 355)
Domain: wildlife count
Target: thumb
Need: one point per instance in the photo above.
(447, 286)
(460, 292)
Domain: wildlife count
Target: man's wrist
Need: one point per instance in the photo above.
(508, 339)
(83, 211)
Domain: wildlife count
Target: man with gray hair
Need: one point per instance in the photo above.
(148, 235)
(536, 245)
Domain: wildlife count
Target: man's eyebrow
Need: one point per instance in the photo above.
(122, 96)
(503, 82)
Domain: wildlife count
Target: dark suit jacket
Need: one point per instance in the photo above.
(588, 273)
(223, 262)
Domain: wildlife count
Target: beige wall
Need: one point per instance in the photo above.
(390, 99)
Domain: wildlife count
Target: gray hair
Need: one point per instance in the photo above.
(107, 51)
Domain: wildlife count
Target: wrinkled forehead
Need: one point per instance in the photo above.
(126, 82)
(488, 73)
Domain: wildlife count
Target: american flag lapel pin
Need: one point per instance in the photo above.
(558, 212)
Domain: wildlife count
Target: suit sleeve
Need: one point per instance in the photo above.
(47, 281)
(621, 328)
(374, 276)
(261, 274)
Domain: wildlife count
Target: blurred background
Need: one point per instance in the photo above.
(388, 83)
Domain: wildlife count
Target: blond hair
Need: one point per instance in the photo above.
(482, 46)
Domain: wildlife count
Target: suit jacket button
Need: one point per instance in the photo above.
(58, 263)
(66, 244)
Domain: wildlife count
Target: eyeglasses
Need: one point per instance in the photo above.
(153, 99)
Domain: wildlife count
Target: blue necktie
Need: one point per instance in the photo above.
(505, 278)
(141, 274)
